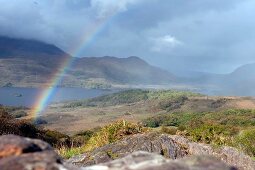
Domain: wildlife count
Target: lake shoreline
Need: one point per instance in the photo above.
(27, 97)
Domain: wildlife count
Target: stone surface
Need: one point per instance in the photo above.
(11, 145)
(18, 153)
(149, 161)
(173, 147)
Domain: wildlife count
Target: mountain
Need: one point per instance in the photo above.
(244, 73)
(31, 63)
(22, 48)
(131, 70)
(27, 62)
(240, 82)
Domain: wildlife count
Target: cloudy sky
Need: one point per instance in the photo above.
(192, 35)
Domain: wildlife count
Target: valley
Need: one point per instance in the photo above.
(134, 106)
(86, 126)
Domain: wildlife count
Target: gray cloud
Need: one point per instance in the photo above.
(197, 35)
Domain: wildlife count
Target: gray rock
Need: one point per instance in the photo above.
(173, 147)
(18, 153)
(229, 155)
(149, 161)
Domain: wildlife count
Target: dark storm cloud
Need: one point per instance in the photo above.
(198, 35)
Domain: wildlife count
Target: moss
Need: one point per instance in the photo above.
(112, 155)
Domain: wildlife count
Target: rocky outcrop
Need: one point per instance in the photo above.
(229, 155)
(18, 153)
(173, 147)
(148, 161)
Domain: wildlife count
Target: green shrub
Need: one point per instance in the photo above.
(234, 117)
(213, 134)
(217, 128)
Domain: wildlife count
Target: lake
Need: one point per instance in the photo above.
(27, 96)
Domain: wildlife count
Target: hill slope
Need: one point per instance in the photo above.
(31, 63)
(240, 82)
(27, 62)
(131, 70)
(21, 48)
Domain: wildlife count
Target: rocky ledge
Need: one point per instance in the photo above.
(170, 146)
(142, 160)
(18, 153)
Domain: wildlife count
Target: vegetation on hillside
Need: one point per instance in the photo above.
(16, 112)
(131, 96)
(234, 127)
(106, 135)
(20, 68)
(10, 125)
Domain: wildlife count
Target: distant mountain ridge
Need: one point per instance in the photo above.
(240, 82)
(13, 48)
(28, 63)
(123, 70)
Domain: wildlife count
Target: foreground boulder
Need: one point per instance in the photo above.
(19, 153)
(148, 161)
(173, 147)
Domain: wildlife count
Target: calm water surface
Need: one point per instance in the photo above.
(27, 96)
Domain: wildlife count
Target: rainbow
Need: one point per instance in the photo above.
(43, 99)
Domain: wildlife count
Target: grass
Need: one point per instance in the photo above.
(232, 127)
(68, 152)
(106, 135)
